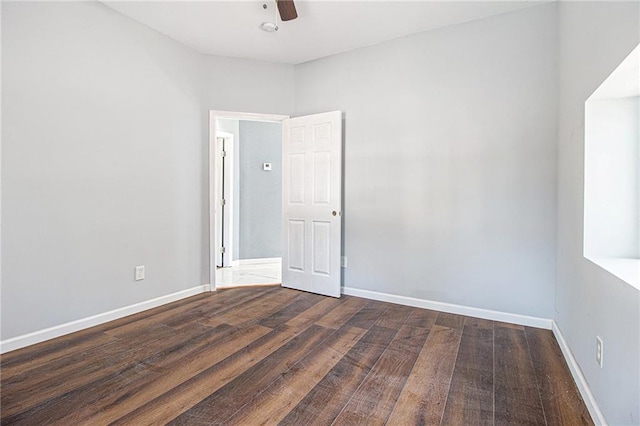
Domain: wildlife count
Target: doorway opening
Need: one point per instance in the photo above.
(246, 177)
(308, 192)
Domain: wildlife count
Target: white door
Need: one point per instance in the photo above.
(312, 203)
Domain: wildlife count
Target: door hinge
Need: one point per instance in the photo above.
(223, 202)
(222, 250)
(223, 154)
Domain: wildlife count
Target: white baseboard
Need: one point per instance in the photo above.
(258, 261)
(77, 325)
(529, 321)
(451, 308)
(81, 324)
(579, 378)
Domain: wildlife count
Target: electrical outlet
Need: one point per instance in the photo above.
(343, 261)
(139, 273)
(599, 351)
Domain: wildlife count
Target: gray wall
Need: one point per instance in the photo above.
(450, 161)
(243, 85)
(260, 191)
(104, 159)
(450, 186)
(594, 39)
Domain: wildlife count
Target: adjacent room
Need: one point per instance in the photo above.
(248, 175)
(320, 212)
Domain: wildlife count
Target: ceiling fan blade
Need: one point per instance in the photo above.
(287, 10)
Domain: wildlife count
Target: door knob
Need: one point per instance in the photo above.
(333, 213)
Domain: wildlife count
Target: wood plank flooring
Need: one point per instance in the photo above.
(269, 355)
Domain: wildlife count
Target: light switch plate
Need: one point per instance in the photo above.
(266, 166)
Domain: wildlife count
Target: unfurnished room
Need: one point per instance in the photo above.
(320, 212)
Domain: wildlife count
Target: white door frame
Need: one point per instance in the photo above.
(227, 226)
(213, 130)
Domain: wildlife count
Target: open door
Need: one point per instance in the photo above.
(312, 203)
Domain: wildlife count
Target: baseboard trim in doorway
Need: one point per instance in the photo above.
(578, 378)
(257, 261)
(83, 323)
(225, 287)
(451, 308)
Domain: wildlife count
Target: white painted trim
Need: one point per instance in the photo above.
(579, 378)
(576, 372)
(213, 114)
(451, 308)
(77, 325)
(259, 261)
(212, 199)
(233, 115)
(223, 134)
(230, 194)
(243, 262)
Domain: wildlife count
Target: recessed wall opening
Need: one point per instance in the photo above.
(612, 172)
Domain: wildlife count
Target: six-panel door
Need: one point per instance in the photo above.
(311, 203)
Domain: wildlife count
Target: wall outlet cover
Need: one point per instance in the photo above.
(139, 273)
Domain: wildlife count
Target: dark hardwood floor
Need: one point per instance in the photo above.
(269, 355)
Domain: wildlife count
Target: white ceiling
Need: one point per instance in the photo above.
(323, 28)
